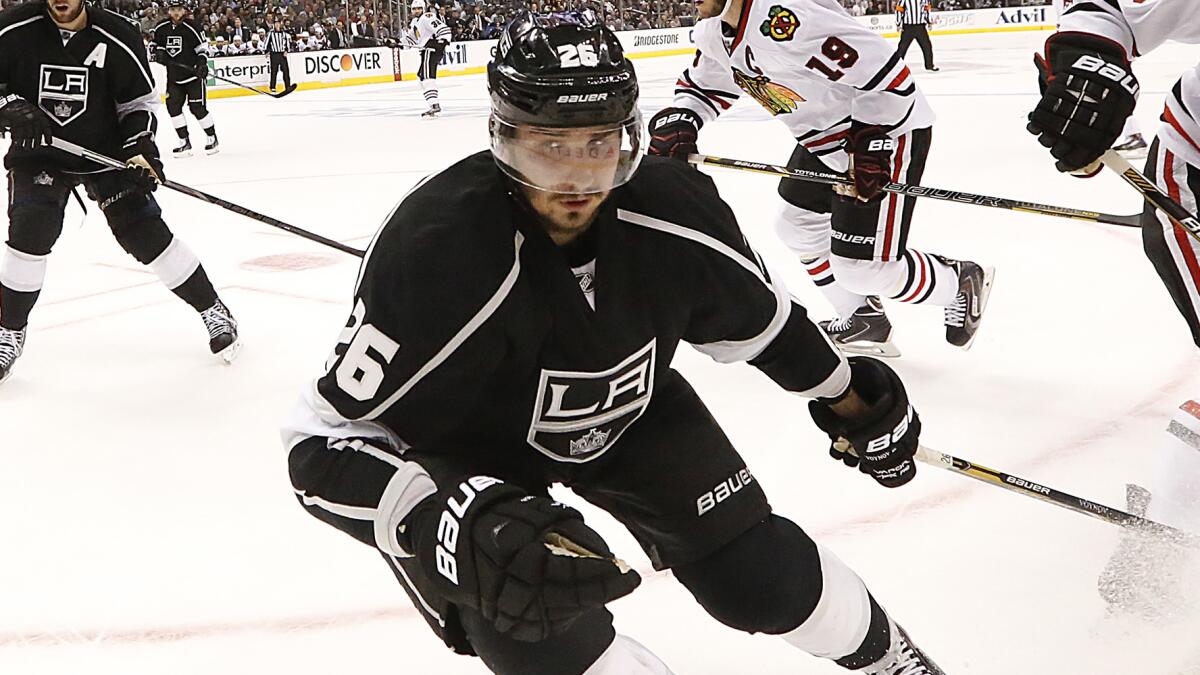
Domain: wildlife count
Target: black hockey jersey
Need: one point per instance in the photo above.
(183, 46)
(96, 87)
(469, 328)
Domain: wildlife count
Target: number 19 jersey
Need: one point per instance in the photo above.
(807, 62)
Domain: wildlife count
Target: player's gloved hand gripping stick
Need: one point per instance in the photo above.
(528, 564)
(78, 151)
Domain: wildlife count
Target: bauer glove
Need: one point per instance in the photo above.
(1088, 91)
(673, 133)
(882, 441)
(528, 564)
(26, 123)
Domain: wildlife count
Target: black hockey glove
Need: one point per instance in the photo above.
(882, 442)
(1088, 91)
(26, 123)
(673, 133)
(484, 545)
(145, 166)
(870, 150)
(201, 69)
(160, 56)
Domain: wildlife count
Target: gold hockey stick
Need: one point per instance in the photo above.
(920, 191)
(1150, 192)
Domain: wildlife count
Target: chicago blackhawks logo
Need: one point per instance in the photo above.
(580, 415)
(776, 98)
(63, 92)
(781, 24)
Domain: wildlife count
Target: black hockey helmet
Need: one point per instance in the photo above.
(560, 70)
(554, 73)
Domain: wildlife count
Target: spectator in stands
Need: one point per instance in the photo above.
(337, 36)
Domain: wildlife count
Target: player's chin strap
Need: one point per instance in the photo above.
(78, 151)
(920, 191)
(1150, 192)
(1056, 497)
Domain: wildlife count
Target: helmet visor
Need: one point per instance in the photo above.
(569, 160)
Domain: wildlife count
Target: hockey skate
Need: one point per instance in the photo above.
(212, 147)
(867, 331)
(1141, 577)
(963, 317)
(184, 149)
(1133, 147)
(222, 332)
(902, 658)
(434, 111)
(12, 343)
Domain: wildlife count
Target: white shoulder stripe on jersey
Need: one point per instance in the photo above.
(374, 238)
(189, 27)
(122, 45)
(727, 351)
(744, 350)
(465, 332)
(19, 24)
(694, 235)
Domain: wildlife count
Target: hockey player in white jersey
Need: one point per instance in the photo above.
(852, 104)
(429, 34)
(1088, 92)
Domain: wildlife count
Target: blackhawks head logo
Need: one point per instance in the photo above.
(776, 98)
(781, 24)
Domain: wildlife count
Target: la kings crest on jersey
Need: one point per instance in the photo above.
(174, 45)
(581, 415)
(63, 92)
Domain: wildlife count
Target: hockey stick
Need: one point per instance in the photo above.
(67, 146)
(1150, 192)
(920, 191)
(1056, 497)
(286, 90)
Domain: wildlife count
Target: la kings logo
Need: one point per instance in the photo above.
(174, 45)
(578, 415)
(63, 92)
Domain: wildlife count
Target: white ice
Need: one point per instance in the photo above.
(147, 524)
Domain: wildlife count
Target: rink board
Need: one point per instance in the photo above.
(376, 65)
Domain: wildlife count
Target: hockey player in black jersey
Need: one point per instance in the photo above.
(179, 47)
(514, 323)
(72, 70)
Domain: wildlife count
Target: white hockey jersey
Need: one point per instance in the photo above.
(428, 28)
(808, 63)
(1140, 26)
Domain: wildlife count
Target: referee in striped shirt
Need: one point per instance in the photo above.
(277, 48)
(914, 19)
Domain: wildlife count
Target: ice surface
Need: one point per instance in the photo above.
(148, 525)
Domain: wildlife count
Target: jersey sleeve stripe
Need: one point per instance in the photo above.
(883, 72)
(684, 91)
(489, 308)
(900, 79)
(809, 134)
(1169, 118)
(727, 351)
(826, 139)
(19, 24)
(136, 62)
(716, 95)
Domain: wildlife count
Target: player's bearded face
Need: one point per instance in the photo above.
(176, 13)
(64, 11)
(566, 173)
(572, 169)
(709, 8)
